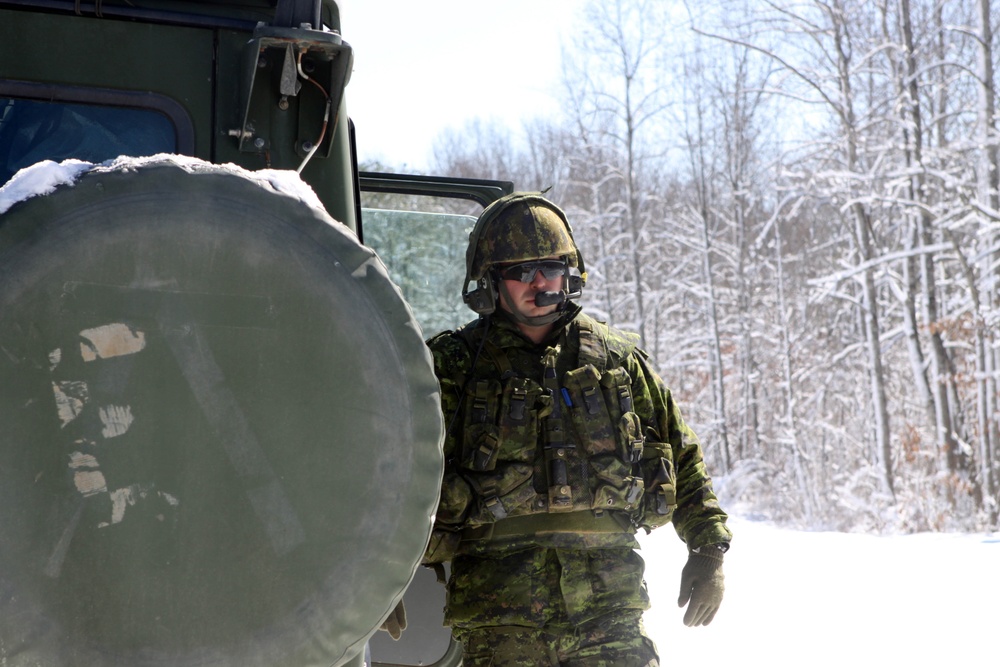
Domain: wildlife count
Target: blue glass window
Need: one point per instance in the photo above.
(31, 131)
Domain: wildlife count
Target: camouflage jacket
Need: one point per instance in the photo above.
(579, 457)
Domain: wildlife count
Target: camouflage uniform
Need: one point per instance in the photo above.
(555, 454)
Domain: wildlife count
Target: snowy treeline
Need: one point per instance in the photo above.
(794, 203)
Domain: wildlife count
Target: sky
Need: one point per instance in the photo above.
(441, 63)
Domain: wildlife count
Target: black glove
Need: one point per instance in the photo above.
(702, 584)
(396, 622)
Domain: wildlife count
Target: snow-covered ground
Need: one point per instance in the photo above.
(846, 600)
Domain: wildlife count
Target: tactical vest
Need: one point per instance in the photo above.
(561, 455)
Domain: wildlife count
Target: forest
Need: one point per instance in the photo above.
(795, 204)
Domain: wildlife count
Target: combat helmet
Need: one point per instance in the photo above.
(518, 227)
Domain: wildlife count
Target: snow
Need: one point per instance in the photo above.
(40, 179)
(819, 598)
(44, 177)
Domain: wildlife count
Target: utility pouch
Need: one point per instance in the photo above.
(630, 438)
(519, 414)
(617, 387)
(442, 547)
(616, 488)
(481, 439)
(585, 403)
(662, 497)
(482, 444)
(506, 492)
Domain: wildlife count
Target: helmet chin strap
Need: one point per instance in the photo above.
(521, 318)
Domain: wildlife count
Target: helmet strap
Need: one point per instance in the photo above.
(521, 318)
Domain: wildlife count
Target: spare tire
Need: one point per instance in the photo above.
(221, 438)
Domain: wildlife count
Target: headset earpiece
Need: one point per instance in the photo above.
(483, 299)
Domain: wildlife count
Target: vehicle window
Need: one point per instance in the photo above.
(32, 130)
(425, 255)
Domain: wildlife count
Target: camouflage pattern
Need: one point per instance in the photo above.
(517, 228)
(551, 607)
(598, 441)
(574, 568)
(513, 467)
(614, 640)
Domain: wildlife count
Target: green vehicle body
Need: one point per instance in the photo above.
(272, 385)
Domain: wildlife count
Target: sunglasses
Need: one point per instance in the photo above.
(525, 271)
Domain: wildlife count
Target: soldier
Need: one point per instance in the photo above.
(561, 442)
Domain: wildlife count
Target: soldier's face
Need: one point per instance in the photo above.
(522, 294)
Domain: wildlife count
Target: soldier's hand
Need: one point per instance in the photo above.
(702, 586)
(396, 622)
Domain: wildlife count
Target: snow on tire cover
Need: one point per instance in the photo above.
(219, 427)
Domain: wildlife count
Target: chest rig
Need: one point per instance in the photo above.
(551, 434)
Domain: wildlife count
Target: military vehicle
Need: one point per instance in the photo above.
(219, 429)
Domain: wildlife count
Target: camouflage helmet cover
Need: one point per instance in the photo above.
(520, 227)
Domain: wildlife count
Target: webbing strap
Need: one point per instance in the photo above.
(624, 399)
(491, 499)
(539, 524)
(592, 347)
(556, 448)
(499, 358)
(480, 402)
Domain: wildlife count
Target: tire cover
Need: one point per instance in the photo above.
(221, 438)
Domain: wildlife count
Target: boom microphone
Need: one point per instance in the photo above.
(549, 298)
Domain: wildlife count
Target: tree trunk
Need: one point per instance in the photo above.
(718, 385)
(940, 363)
(862, 234)
(807, 490)
(863, 241)
(988, 364)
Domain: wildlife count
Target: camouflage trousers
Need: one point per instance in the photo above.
(551, 607)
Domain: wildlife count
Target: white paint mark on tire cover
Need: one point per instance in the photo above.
(71, 396)
(80, 460)
(90, 482)
(116, 419)
(120, 499)
(111, 340)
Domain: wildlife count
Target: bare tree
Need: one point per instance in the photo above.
(616, 100)
(921, 236)
(807, 238)
(988, 173)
